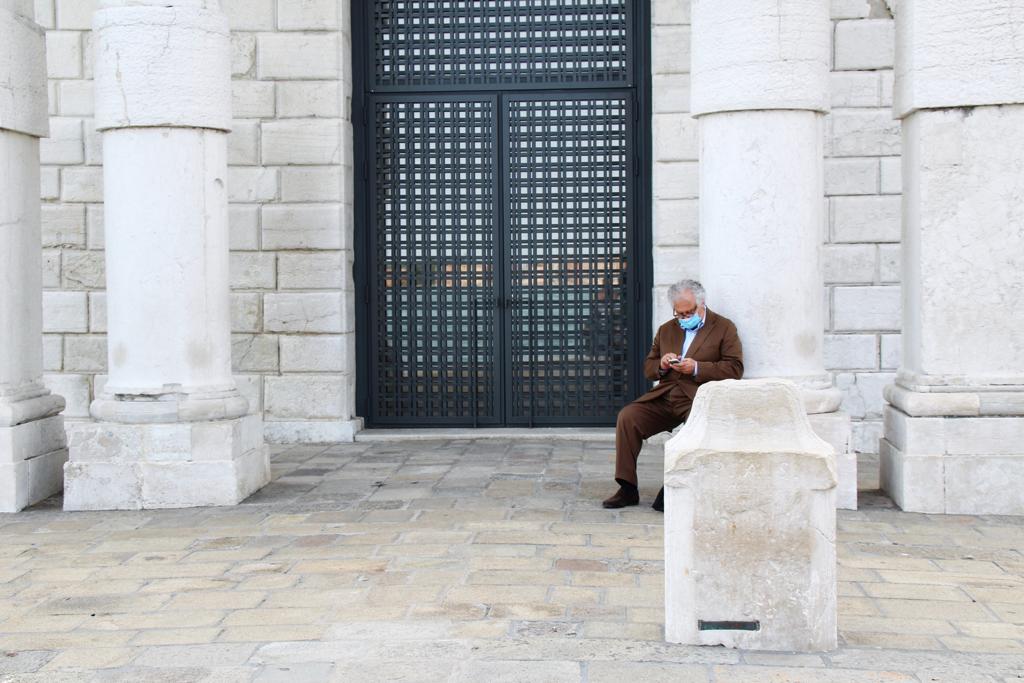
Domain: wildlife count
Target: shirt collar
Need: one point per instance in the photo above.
(703, 319)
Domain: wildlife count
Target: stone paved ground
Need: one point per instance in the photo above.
(467, 561)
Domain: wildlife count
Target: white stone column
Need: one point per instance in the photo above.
(172, 429)
(760, 88)
(954, 426)
(32, 440)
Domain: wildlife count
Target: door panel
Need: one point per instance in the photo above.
(434, 290)
(567, 215)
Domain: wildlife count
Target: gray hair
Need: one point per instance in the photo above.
(677, 290)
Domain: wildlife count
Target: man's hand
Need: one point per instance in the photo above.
(686, 366)
(666, 360)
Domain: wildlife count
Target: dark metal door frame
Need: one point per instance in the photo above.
(638, 238)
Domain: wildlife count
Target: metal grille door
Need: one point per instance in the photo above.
(501, 262)
(568, 209)
(434, 203)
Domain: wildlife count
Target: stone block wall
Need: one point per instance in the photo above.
(291, 184)
(861, 250)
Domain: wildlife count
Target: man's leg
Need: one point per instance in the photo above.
(638, 421)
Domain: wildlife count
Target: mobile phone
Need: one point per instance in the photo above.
(677, 361)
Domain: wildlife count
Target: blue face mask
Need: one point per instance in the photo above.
(691, 323)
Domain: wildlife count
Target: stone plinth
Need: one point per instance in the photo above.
(32, 456)
(131, 467)
(171, 428)
(761, 91)
(32, 442)
(750, 523)
(954, 426)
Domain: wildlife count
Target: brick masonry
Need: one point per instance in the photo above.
(291, 188)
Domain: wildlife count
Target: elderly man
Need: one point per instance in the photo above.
(695, 347)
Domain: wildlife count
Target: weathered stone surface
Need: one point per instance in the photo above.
(31, 459)
(760, 55)
(955, 465)
(23, 105)
(162, 66)
(851, 176)
(169, 430)
(303, 312)
(320, 353)
(865, 219)
(311, 184)
(866, 44)
(964, 181)
(314, 572)
(308, 98)
(851, 351)
(32, 442)
(302, 226)
(863, 132)
(746, 231)
(63, 226)
(306, 397)
(955, 54)
(866, 308)
(854, 88)
(168, 465)
(297, 55)
(849, 263)
(953, 432)
(750, 521)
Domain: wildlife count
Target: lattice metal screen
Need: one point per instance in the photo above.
(501, 213)
(569, 208)
(434, 207)
(509, 43)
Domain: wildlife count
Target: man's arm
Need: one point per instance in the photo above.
(730, 366)
(652, 364)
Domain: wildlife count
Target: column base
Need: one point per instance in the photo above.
(117, 466)
(835, 429)
(953, 465)
(32, 456)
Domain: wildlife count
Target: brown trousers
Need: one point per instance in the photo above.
(638, 421)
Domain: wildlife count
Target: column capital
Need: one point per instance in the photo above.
(760, 54)
(23, 101)
(166, 64)
(952, 54)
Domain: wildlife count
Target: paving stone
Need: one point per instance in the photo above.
(516, 672)
(91, 658)
(26, 661)
(301, 672)
(745, 674)
(488, 552)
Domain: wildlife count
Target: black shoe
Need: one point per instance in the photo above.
(659, 502)
(622, 498)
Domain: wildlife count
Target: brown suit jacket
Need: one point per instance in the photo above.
(718, 353)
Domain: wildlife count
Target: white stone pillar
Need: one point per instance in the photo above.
(750, 523)
(954, 426)
(172, 429)
(32, 440)
(760, 88)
